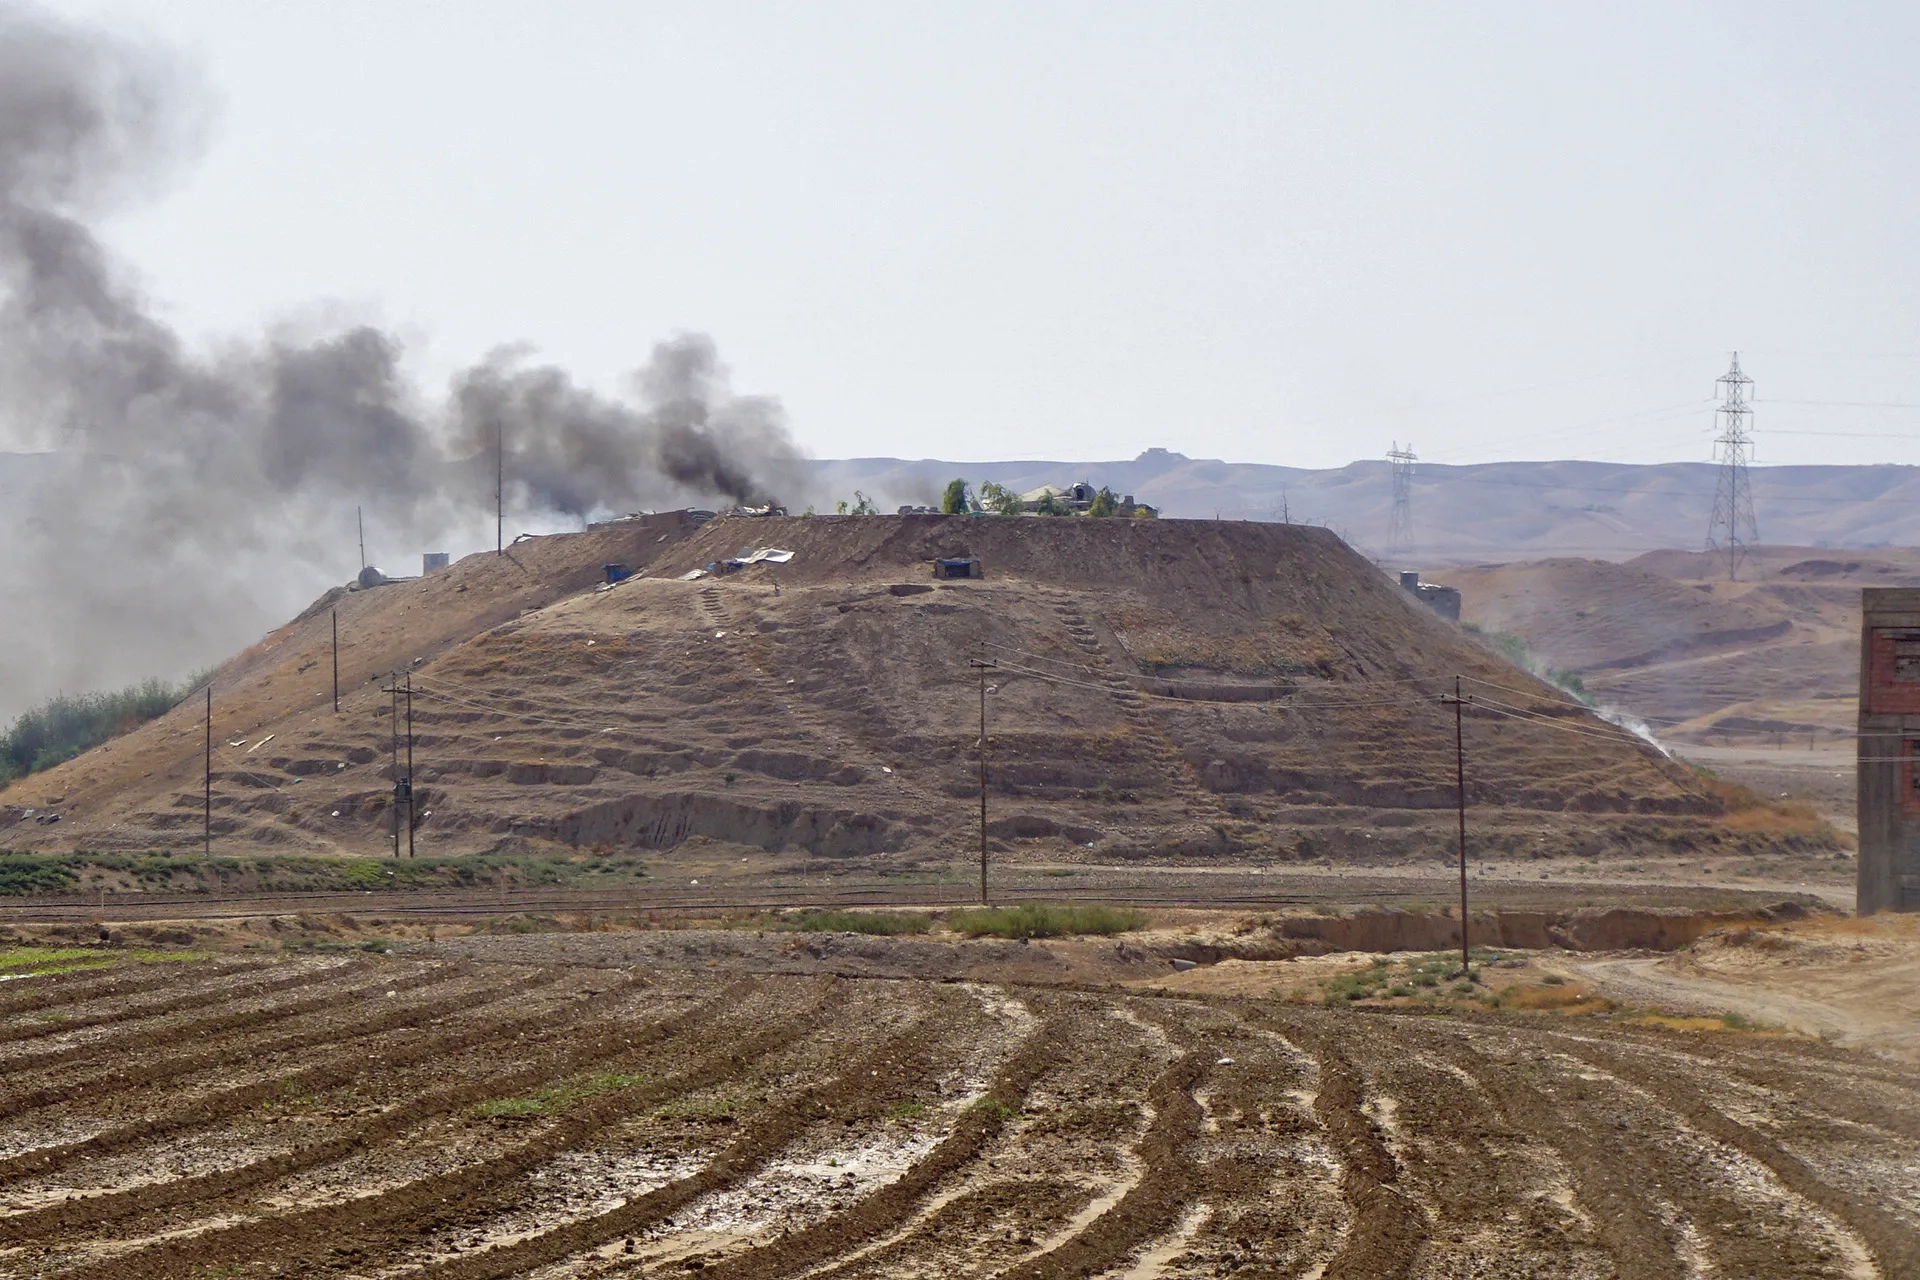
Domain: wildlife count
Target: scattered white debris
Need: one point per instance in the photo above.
(263, 742)
(884, 769)
(693, 882)
(589, 644)
(341, 765)
(336, 813)
(719, 635)
(693, 575)
(1223, 1062)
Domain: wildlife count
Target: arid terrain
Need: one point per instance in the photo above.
(1757, 679)
(1160, 690)
(750, 1102)
(597, 1027)
(1770, 660)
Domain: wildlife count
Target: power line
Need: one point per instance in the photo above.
(1848, 404)
(1400, 523)
(1731, 528)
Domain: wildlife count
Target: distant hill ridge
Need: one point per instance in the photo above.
(1461, 514)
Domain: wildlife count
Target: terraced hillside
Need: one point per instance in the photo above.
(1160, 689)
(500, 1113)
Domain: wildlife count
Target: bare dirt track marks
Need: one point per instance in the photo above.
(245, 1018)
(1892, 1245)
(886, 1208)
(177, 1003)
(238, 1030)
(311, 1241)
(567, 1122)
(1387, 1227)
(542, 1064)
(86, 985)
(222, 1104)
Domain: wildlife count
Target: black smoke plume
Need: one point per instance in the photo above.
(177, 501)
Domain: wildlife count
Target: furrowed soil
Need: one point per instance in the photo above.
(688, 1102)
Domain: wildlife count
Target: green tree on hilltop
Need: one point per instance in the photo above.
(1105, 503)
(999, 499)
(954, 501)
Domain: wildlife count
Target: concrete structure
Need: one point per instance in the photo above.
(433, 562)
(1444, 601)
(1888, 772)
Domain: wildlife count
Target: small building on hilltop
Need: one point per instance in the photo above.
(1444, 601)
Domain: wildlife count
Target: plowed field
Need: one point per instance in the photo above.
(469, 1116)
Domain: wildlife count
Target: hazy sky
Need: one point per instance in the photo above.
(1264, 232)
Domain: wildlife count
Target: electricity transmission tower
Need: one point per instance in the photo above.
(1400, 524)
(1732, 530)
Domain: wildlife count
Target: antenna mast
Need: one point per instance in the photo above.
(361, 524)
(1400, 524)
(499, 487)
(1732, 531)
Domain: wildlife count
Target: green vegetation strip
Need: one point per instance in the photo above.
(557, 1098)
(1043, 920)
(166, 871)
(884, 924)
(23, 961)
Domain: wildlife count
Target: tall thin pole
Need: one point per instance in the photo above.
(982, 668)
(500, 487)
(410, 823)
(1460, 782)
(393, 689)
(336, 662)
(206, 812)
(361, 523)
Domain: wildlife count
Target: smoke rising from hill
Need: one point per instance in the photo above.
(195, 495)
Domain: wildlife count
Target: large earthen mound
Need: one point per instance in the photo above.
(1162, 689)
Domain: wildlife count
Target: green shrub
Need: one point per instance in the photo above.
(878, 923)
(24, 873)
(1043, 920)
(65, 725)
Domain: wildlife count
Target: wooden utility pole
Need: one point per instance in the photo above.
(336, 662)
(206, 812)
(983, 668)
(1458, 703)
(410, 822)
(361, 524)
(500, 487)
(393, 691)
